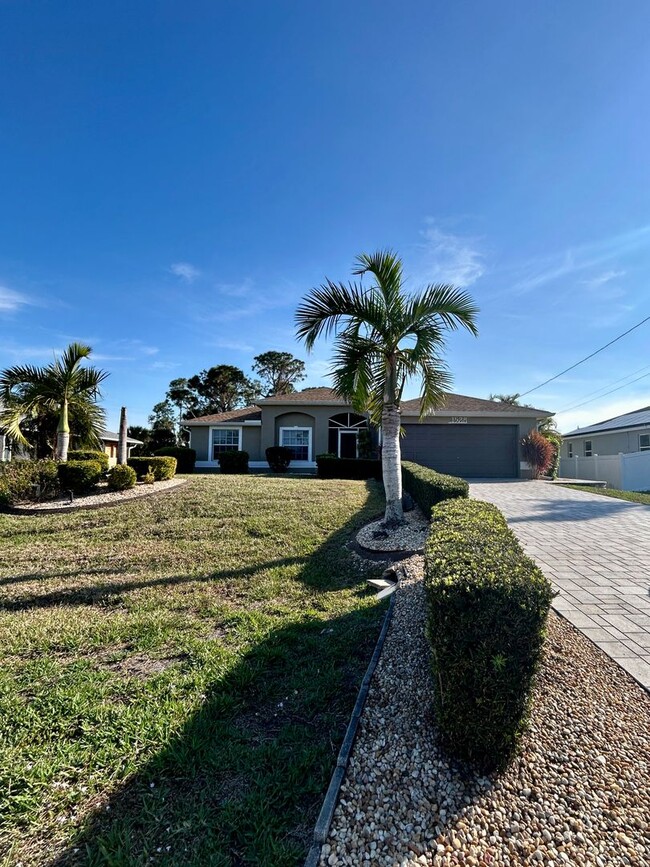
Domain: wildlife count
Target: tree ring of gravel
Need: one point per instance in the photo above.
(98, 500)
(411, 536)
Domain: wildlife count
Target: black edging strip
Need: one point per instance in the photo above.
(332, 795)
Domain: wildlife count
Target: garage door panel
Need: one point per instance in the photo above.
(471, 451)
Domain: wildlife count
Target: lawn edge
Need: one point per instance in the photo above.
(322, 827)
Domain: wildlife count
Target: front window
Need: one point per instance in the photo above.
(570, 450)
(644, 442)
(224, 440)
(297, 440)
(588, 449)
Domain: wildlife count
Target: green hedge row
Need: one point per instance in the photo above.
(161, 467)
(331, 467)
(28, 481)
(487, 610)
(88, 455)
(233, 463)
(80, 477)
(185, 458)
(427, 487)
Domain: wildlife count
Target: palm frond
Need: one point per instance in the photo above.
(327, 305)
(386, 268)
(445, 303)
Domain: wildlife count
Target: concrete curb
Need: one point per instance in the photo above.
(324, 820)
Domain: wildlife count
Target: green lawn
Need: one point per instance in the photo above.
(178, 672)
(632, 496)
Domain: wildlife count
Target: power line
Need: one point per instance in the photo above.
(603, 388)
(591, 400)
(586, 358)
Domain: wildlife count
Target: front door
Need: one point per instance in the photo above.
(347, 444)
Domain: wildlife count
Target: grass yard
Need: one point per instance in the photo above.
(631, 496)
(178, 672)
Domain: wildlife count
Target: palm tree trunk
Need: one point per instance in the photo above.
(391, 465)
(122, 451)
(63, 434)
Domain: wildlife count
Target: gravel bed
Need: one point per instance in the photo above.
(103, 497)
(410, 537)
(579, 793)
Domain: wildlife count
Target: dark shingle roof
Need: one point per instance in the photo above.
(322, 394)
(110, 436)
(465, 405)
(637, 418)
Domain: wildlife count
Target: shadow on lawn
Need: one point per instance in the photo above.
(242, 782)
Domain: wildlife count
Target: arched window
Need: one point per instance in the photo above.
(343, 434)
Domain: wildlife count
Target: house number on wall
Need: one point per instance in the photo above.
(458, 419)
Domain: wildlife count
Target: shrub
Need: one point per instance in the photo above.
(538, 451)
(87, 455)
(80, 477)
(233, 462)
(121, 478)
(427, 487)
(161, 467)
(487, 610)
(279, 458)
(331, 467)
(148, 478)
(24, 481)
(185, 458)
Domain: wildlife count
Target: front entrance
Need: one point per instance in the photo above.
(348, 442)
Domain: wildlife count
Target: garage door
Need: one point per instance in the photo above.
(473, 451)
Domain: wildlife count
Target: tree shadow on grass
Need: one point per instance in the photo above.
(243, 780)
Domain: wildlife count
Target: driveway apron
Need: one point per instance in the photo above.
(596, 551)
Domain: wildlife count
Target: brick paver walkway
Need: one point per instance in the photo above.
(596, 551)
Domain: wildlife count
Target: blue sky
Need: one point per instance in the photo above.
(175, 176)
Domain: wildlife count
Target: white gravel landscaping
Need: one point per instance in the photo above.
(579, 793)
(101, 497)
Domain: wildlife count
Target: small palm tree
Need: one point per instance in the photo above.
(384, 337)
(63, 387)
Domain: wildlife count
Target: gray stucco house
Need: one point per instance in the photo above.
(623, 434)
(468, 436)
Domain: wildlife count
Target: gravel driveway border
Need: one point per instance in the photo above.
(326, 814)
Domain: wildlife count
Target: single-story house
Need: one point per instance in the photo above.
(622, 434)
(110, 441)
(468, 436)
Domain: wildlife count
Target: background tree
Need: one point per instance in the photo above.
(223, 388)
(279, 371)
(383, 338)
(64, 389)
(510, 399)
(163, 426)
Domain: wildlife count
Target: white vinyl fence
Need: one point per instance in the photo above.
(629, 472)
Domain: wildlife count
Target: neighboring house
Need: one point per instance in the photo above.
(110, 442)
(467, 437)
(622, 434)
(616, 451)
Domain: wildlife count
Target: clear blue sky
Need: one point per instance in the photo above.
(175, 175)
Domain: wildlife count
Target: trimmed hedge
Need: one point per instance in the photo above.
(18, 478)
(121, 478)
(331, 467)
(487, 610)
(279, 458)
(161, 467)
(87, 455)
(80, 477)
(427, 487)
(233, 462)
(185, 458)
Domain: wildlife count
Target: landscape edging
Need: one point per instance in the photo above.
(326, 814)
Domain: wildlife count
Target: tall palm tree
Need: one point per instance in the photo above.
(384, 337)
(63, 387)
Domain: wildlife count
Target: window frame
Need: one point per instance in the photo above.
(214, 457)
(293, 428)
(570, 448)
(589, 448)
(643, 448)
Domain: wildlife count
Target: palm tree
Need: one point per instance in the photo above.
(383, 338)
(63, 387)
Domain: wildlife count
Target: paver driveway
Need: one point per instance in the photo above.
(596, 551)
